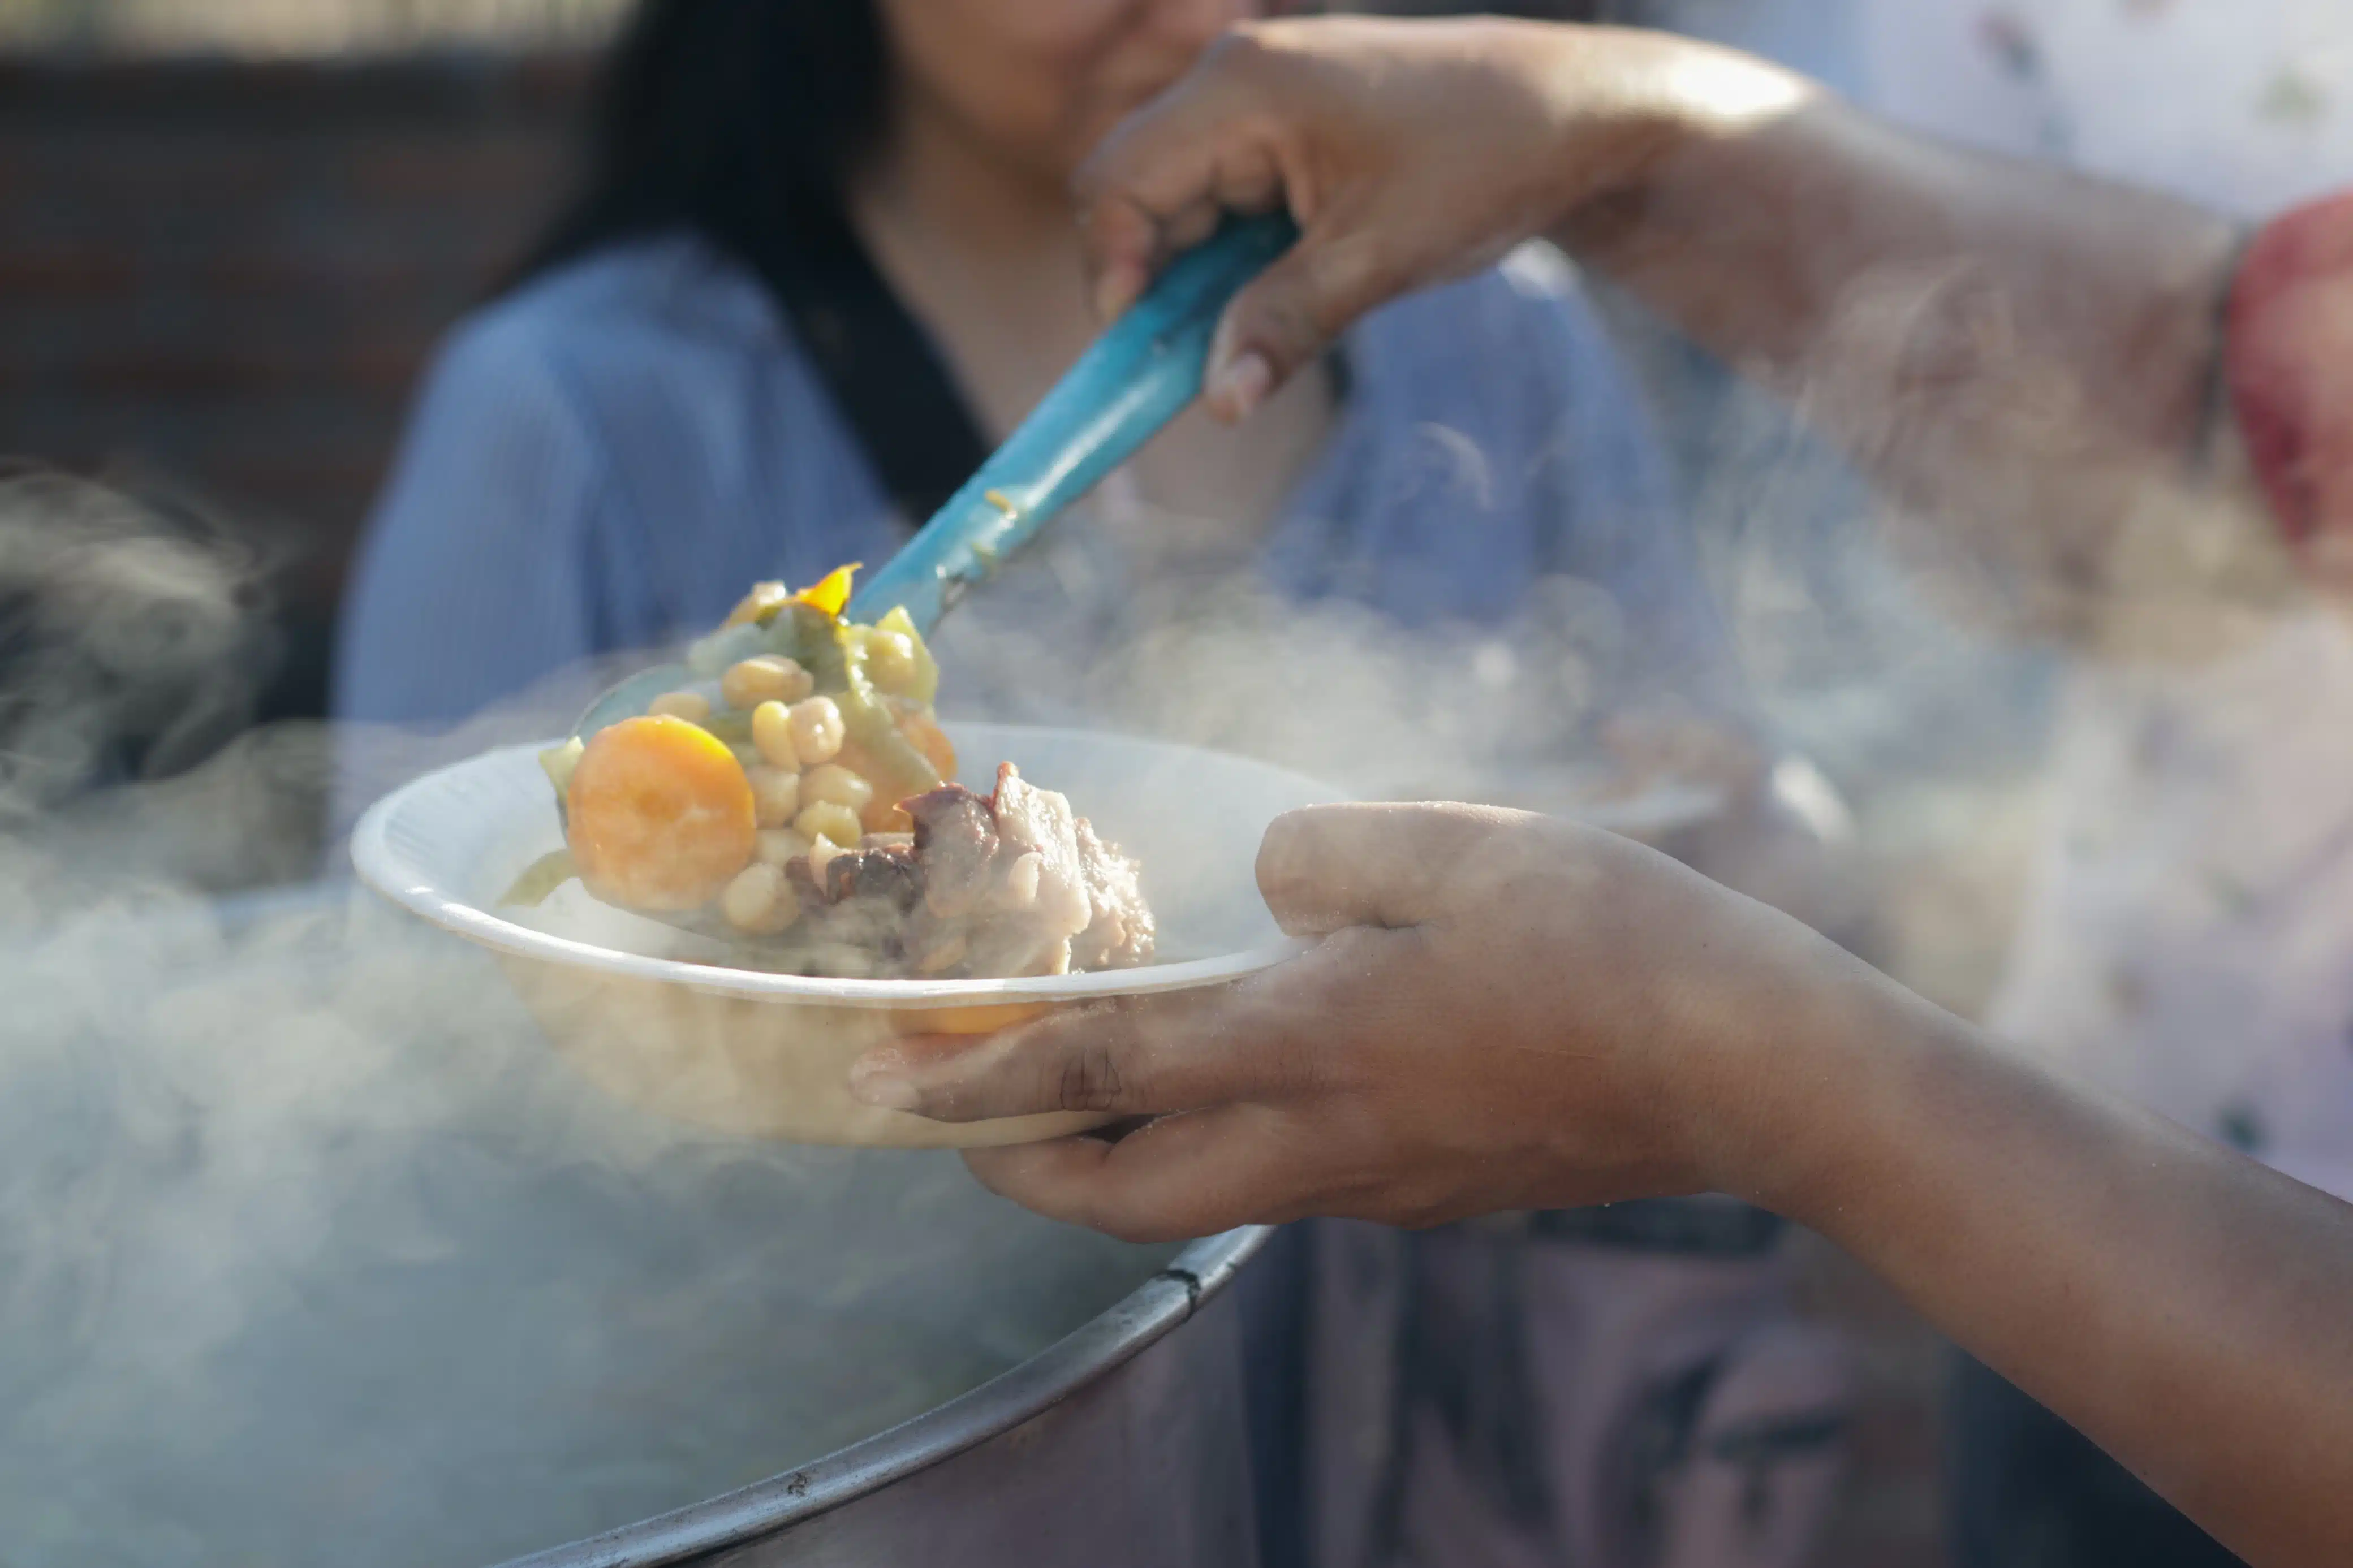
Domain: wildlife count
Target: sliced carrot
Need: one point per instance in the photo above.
(982, 1019)
(659, 814)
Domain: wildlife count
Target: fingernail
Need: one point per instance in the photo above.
(1241, 385)
(880, 1084)
(1116, 290)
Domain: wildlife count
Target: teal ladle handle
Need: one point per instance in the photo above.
(1141, 373)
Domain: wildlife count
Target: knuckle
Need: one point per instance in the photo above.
(1090, 1077)
(1242, 50)
(1284, 321)
(1300, 1069)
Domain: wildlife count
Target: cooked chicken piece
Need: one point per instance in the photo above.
(1009, 884)
(1039, 822)
(1121, 932)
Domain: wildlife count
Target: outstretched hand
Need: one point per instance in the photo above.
(1501, 1011)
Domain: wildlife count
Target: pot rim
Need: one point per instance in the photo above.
(1143, 1318)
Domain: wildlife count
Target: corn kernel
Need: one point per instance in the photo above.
(829, 820)
(831, 781)
(816, 730)
(776, 796)
(771, 732)
(768, 677)
(760, 900)
(691, 706)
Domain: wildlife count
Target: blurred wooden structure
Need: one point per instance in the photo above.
(224, 276)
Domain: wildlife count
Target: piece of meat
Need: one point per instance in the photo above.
(1037, 901)
(1122, 931)
(886, 873)
(1009, 884)
(956, 844)
(1032, 821)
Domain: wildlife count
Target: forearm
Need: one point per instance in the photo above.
(2188, 1309)
(2021, 355)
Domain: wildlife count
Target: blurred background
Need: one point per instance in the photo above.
(232, 230)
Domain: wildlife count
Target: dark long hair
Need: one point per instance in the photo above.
(732, 119)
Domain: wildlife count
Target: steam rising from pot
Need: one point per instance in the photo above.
(309, 1250)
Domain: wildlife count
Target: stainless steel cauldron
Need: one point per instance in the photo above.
(1123, 1444)
(318, 1254)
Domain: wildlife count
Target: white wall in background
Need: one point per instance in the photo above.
(1819, 37)
(2244, 104)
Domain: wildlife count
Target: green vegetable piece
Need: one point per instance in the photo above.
(927, 669)
(558, 761)
(868, 719)
(540, 878)
(816, 639)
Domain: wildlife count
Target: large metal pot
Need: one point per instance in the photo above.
(1123, 1443)
(321, 1255)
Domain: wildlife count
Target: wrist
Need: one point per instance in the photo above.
(1628, 103)
(1819, 1088)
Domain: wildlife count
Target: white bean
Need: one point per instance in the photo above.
(776, 796)
(766, 677)
(760, 900)
(772, 735)
(829, 820)
(691, 706)
(780, 846)
(831, 781)
(816, 730)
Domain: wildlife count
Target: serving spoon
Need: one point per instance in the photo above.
(1143, 370)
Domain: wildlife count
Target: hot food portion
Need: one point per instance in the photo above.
(798, 803)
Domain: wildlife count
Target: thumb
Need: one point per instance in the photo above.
(1326, 866)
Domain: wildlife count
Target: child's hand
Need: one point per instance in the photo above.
(1504, 1012)
(1409, 153)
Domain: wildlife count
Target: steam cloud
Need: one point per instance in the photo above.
(309, 1250)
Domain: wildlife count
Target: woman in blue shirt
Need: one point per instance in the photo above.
(824, 258)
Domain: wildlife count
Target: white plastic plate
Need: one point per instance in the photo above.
(447, 846)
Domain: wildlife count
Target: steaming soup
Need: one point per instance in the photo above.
(796, 803)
